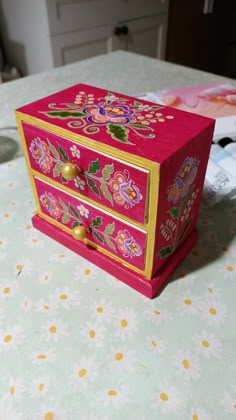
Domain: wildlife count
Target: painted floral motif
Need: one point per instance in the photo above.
(125, 192)
(51, 204)
(105, 235)
(119, 188)
(183, 191)
(41, 153)
(127, 245)
(119, 117)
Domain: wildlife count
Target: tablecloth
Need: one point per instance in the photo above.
(76, 343)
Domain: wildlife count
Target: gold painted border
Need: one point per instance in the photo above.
(140, 162)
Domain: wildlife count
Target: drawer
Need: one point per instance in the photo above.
(110, 182)
(110, 234)
(72, 15)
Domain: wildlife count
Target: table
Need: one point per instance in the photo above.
(77, 344)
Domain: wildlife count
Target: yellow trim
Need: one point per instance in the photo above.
(90, 243)
(140, 162)
(88, 200)
(152, 217)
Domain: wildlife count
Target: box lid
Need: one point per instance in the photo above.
(135, 126)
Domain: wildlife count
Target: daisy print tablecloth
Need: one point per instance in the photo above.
(77, 344)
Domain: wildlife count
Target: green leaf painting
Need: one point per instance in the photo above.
(75, 213)
(107, 171)
(118, 133)
(94, 167)
(106, 192)
(65, 218)
(98, 237)
(97, 222)
(63, 154)
(110, 228)
(184, 230)
(54, 151)
(165, 251)
(109, 243)
(64, 114)
(174, 212)
(93, 186)
(57, 170)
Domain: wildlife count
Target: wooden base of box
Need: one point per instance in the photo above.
(148, 288)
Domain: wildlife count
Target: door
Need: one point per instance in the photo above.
(199, 33)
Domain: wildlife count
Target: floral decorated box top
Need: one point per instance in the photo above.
(139, 127)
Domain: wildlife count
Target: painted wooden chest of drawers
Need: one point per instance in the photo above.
(116, 179)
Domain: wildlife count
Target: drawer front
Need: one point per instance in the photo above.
(110, 182)
(123, 240)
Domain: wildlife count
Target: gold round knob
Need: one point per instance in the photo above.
(69, 171)
(79, 232)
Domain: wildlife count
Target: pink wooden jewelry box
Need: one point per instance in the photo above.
(116, 179)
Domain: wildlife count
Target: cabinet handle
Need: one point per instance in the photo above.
(121, 30)
(69, 171)
(124, 30)
(117, 31)
(79, 232)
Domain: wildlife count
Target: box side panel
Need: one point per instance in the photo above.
(181, 183)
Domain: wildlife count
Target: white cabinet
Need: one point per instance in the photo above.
(58, 32)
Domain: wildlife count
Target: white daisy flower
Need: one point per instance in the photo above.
(93, 334)
(85, 272)
(42, 357)
(7, 215)
(74, 151)
(208, 345)
(10, 338)
(199, 414)
(228, 269)
(63, 257)
(115, 397)
(155, 344)
(16, 389)
(121, 359)
(187, 303)
(213, 312)
(26, 304)
(166, 398)
(4, 243)
(8, 289)
(229, 402)
(125, 323)
(102, 311)
(47, 306)
(83, 211)
(212, 290)
(66, 297)
(39, 387)
(79, 183)
(187, 365)
(54, 330)
(26, 229)
(45, 277)
(50, 412)
(157, 314)
(85, 371)
(22, 266)
(34, 240)
(8, 410)
(111, 98)
(10, 184)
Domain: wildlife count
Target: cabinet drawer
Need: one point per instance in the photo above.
(124, 241)
(110, 182)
